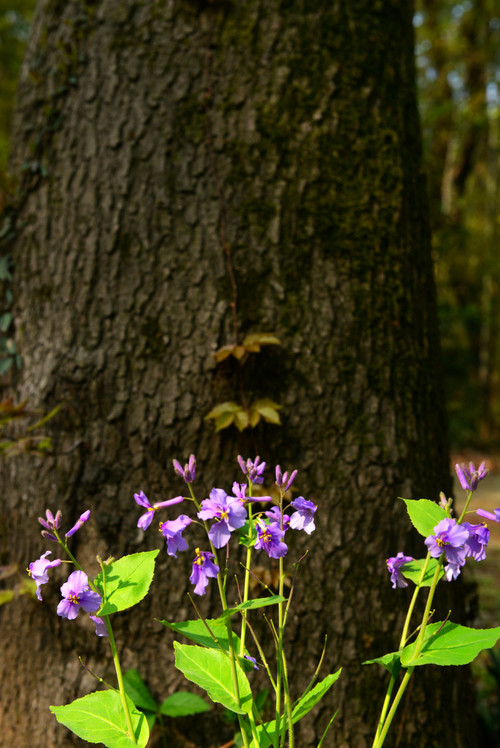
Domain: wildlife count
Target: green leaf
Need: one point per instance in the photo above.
(424, 515)
(182, 704)
(241, 420)
(223, 421)
(261, 338)
(413, 569)
(99, 718)
(137, 690)
(211, 669)
(391, 661)
(126, 581)
(5, 321)
(226, 407)
(450, 644)
(197, 632)
(311, 698)
(302, 707)
(260, 602)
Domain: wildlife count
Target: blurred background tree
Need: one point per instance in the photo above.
(15, 17)
(458, 58)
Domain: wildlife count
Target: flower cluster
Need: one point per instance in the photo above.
(449, 538)
(76, 592)
(223, 514)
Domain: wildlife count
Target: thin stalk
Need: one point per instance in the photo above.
(119, 677)
(382, 733)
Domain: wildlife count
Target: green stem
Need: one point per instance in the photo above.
(119, 677)
(464, 511)
(382, 733)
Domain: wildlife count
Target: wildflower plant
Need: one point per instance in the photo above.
(450, 542)
(223, 652)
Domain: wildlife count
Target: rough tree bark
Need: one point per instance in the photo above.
(153, 141)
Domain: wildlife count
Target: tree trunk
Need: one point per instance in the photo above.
(163, 150)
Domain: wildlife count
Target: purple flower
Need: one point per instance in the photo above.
(269, 539)
(469, 477)
(252, 660)
(394, 565)
(77, 594)
(494, 515)
(449, 538)
(100, 626)
(188, 472)
(172, 531)
(477, 541)
(275, 515)
(283, 480)
(83, 518)
(252, 469)
(38, 571)
(146, 519)
(303, 518)
(228, 510)
(240, 491)
(203, 568)
(50, 523)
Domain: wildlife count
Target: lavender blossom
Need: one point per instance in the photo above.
(82, 519)
(146, 519)
(188, 472)
(303, 518)
(228, 510)
(394, 565)
(269, 539)
(274, 514)
(203, 568)
(477, 541)
(77, 594)
(50, 524)
(449, 538)
(283, 480)
(38, 570)
(172, 532)
(100, 626)
(252, 469)
(494, 516)
(469, 477)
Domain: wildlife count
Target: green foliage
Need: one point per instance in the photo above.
(211, 670)
(15, 19)
(14, 441)
(459, 80)
(99, 718)
(424, 515)
(450, 644)
(240, 415)
(125, 582)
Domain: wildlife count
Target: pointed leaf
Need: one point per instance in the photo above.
(304, 705)
(137, 690)
(241, 420)
(260, 602)
(99, 718)
(424, 515)
(311, 698)
(226, 407)
(211, 669)
(196, 631)
(413, 569)
(126, 581)
(223, 421)
(450, 644)
(261, 338)
(391, 661)
(182, 704)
